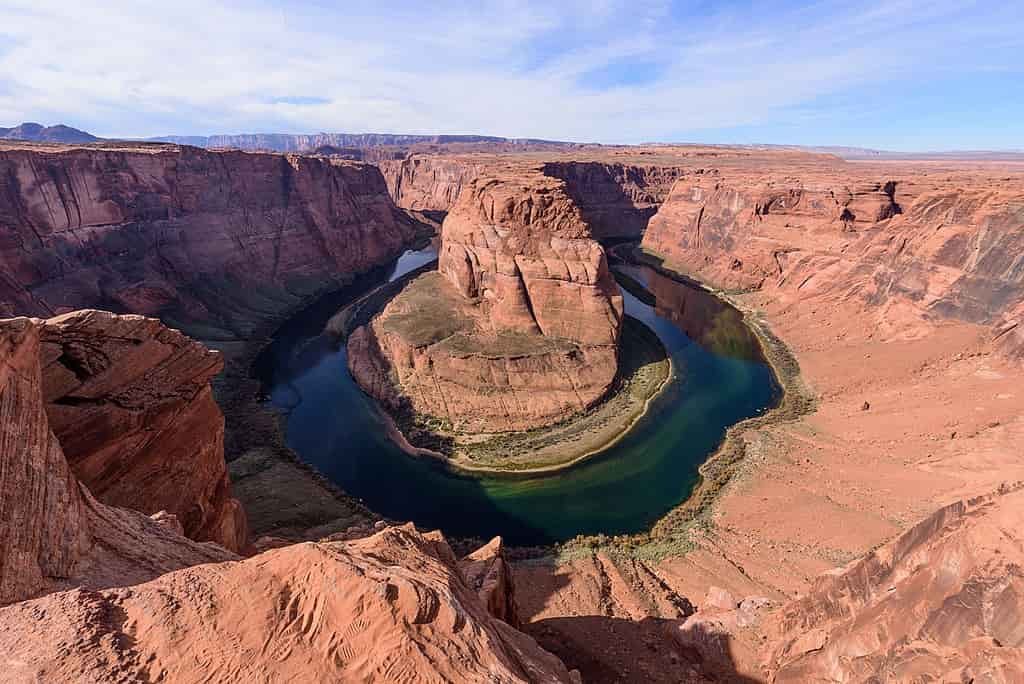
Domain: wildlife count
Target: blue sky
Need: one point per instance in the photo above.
(897, 74)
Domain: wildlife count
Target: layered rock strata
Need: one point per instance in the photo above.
(517, 329)
(219, 240)
(53, 532)
(130, 402)
(899, 242)
(944, 599)
(616, 198)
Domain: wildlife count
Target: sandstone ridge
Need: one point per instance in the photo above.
(130, 402)
(53, 532)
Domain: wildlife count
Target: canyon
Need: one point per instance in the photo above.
(875, 533)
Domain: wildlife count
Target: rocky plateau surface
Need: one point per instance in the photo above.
(915, 244)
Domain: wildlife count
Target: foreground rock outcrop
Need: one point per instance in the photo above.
(217, 241)
(53, 533)
(518, 328)
(388, 608)
(130, 402)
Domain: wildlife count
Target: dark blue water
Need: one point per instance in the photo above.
(719, 379)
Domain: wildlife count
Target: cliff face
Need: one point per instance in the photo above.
(129, 400)
(519, 327)
(224, 239)
(453, 365)
(427, 183)
(902, 245)
(392, 607)
(522, 248)
(617, 200)
(53, 533)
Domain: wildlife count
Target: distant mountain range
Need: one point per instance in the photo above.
(351, 143)
(38, 133)
(286, 142)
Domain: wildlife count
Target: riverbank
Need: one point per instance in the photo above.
(283, 496)
(671, 535)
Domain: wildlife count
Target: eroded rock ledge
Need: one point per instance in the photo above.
(130, 402)
(519, 327)
(53, 532)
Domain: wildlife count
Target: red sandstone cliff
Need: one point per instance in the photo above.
(129, 400)
(53, 533)
(521, 247)
(908, 244)
(616, 199)
(428, 183)
(225, 239)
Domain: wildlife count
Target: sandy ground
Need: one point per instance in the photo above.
(908, 419)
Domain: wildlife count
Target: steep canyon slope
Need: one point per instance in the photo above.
(53, 532)
(616, 190)
(217, 240)
(937, 243)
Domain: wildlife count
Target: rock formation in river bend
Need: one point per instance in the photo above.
(129, 400)
(221, 240)
(519, 329)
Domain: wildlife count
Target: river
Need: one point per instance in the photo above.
(719, 378)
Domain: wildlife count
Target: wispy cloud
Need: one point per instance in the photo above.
(612, 71)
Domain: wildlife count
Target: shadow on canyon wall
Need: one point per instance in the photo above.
(605, 205)
(606, 648)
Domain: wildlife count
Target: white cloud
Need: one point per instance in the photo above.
(509, 67)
